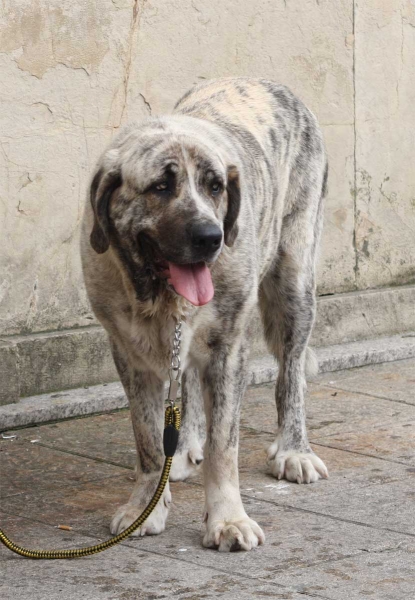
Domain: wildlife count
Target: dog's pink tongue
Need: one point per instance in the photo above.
(193, 282)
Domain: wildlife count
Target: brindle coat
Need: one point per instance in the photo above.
(245, 155)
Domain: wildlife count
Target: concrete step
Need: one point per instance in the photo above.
(39, 363)
(110, 396)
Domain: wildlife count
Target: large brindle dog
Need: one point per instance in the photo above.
(205, 214)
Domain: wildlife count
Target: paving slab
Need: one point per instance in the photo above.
(387, 574)
(395, 443)
(389, 506)
(294, 539)
(330, 410)
(26, 467)
(335, 411)
(107, 437)
(395, 381)
(121, 573)
(90, 506)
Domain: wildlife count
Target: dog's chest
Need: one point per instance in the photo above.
(150, 341)
(151, 345)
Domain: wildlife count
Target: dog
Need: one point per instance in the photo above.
(203, 215)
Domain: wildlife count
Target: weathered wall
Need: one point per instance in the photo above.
(385, 142)
(73, 71)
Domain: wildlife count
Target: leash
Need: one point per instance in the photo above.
(170, 438)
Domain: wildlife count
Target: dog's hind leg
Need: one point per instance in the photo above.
(287, 303)
(145, 395)
(189, 454)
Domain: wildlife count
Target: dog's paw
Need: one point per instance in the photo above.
(128, 513)
(302, 467)
(233, 534)
(186, 464)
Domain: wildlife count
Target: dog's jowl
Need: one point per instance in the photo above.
(205, 214)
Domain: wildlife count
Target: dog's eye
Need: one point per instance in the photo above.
(216, 187)
(162, 186)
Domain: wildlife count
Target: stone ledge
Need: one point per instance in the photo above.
(107, 397)
(60, 360)
(45, 362)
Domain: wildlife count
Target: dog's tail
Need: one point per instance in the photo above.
(311, 362)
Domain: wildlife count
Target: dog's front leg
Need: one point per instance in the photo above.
(144, 391)
(228, 527)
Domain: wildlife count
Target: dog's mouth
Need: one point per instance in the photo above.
(192, 281)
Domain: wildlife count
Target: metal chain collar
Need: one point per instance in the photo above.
(175, 365)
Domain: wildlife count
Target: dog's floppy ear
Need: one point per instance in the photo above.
(234, 203)
(104, 184)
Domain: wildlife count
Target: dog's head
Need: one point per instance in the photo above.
(166, 203)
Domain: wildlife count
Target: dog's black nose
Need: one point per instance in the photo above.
(206, 237)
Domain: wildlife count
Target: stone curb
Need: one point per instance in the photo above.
(107, 397)
(41, 363)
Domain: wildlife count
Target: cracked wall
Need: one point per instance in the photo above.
(385, 143)
(73, 72)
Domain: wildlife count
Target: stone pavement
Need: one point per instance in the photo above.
(350, 537)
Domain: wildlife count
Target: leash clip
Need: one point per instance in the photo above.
(173, 391)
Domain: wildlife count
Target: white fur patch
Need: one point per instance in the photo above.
(128, 513)
(186, 464)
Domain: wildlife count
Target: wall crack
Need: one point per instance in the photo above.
(134, 28)
(355, 213)
(147, 103)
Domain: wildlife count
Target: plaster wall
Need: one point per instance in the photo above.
(72, 72)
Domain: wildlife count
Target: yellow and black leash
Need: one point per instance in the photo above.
(170, 439)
